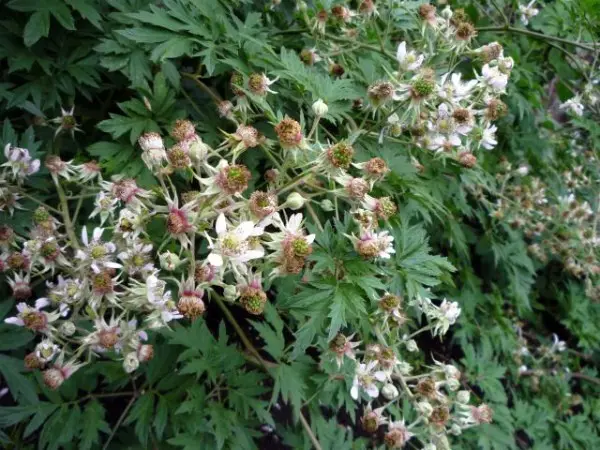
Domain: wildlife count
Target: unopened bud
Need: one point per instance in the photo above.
(131, 362)
(425, 408)
(389, 391)
(169, 261)
(412, 346)
(455, 429)
(320, 108)
(67, 328)
(327, 205)
(295, 201)
(463, 397)
(230, 292)
(453, 384)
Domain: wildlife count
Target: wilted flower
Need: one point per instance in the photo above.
(259, 84)
(343, 346)
(397, 435)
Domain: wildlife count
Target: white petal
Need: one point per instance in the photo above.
(354, 392)
(221, 224)
(401, 52)
(244, 230)
(215, 259)
(22, 306)
(252, 254)
(372, 391)
(84, 236)
(41, 303)
(15, 321)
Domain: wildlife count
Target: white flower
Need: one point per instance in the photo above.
(493, 78)
(137, 259)
(233, 246)
(365, 378)
(105, 205)
(97, 254)
(522, 170)
(488, 138)
(33, 318)
(410, 60)
(450, 310)
(528, 12)
(574, 106)
(20, 162)
(46, 350)
(455, 90)
(445, 315)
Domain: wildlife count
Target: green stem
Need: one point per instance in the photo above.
(545, 37)
(203, 86)
(65, 213)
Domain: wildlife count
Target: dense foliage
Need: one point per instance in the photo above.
(277, 224)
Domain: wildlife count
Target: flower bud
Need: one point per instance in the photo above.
(320, 108)
(327, 205)
(389, 391)
(412, 346)
(131, 362)
(295, 201)
(463, 397)
(453, 384)
(522, 170)
(455, 429)
(53, 378)
(169, 261)
(425, 408)
(145, 352)
(67, 328)
(198, 150)
(230, 292)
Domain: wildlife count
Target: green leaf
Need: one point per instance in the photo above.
(141, 414)
(21, 387)
(62, 14)
(93, 424)
(289, 383)
(87, 10)
(274, 341)
(37, 27)
(161, 417)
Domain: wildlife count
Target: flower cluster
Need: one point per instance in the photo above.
(383, 375)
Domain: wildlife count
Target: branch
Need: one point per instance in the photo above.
(533, 34)
(203, 86)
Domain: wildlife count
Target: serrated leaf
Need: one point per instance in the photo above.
(37, 27)
(93, 424)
